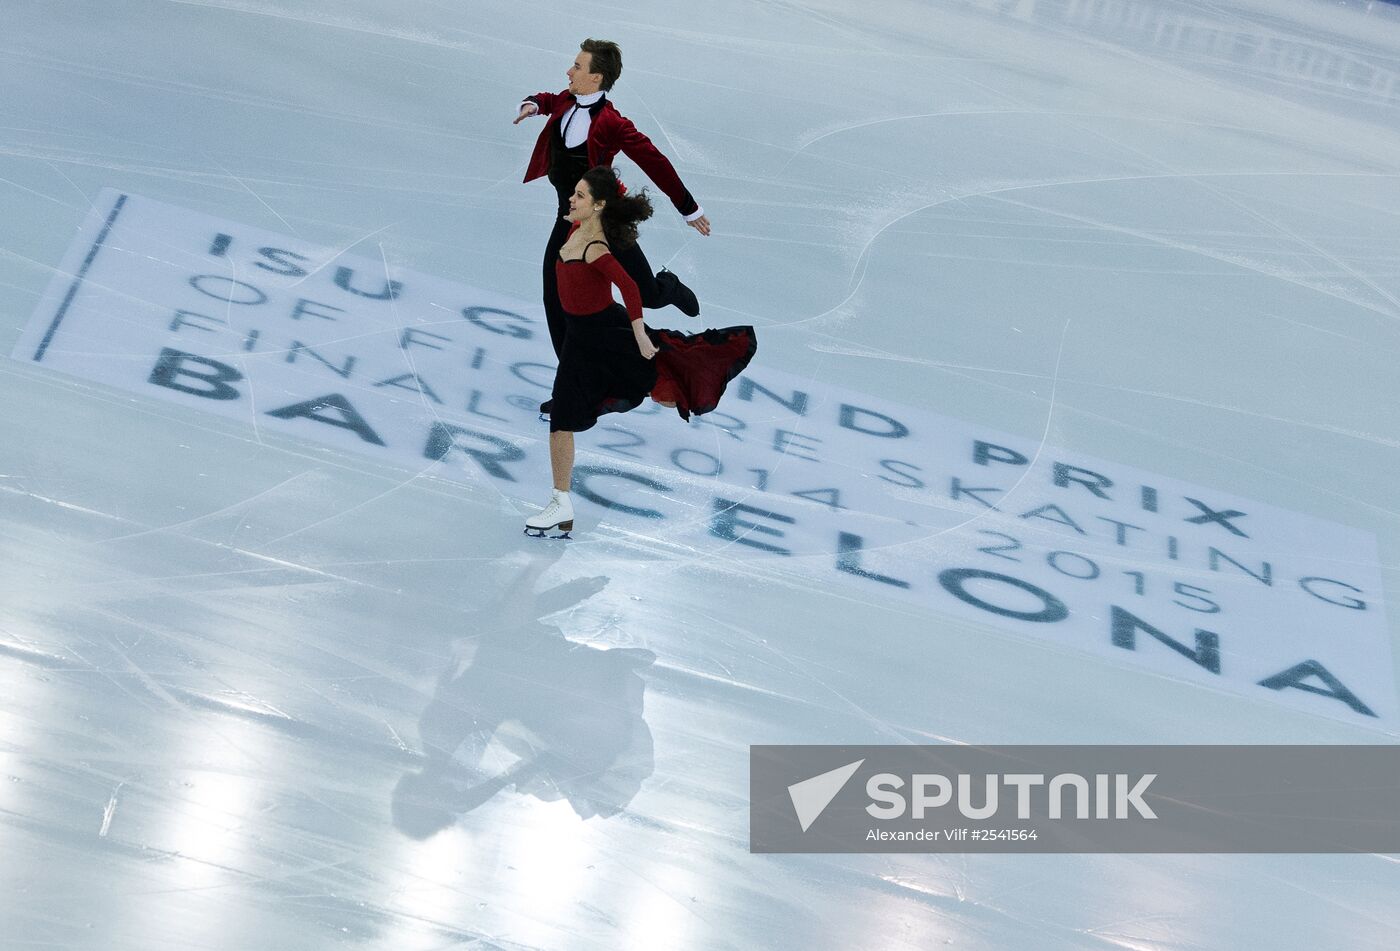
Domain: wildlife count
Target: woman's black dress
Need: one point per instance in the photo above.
(601, 370)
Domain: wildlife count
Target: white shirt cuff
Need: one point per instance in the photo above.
(697, 213)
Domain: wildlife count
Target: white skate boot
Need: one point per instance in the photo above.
(559, 513)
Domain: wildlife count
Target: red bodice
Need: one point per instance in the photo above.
(585, 288)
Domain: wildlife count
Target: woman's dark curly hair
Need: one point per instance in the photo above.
(623, 212)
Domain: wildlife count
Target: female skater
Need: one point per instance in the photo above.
(611, 361)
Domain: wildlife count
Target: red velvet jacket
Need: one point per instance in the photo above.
(609, 132)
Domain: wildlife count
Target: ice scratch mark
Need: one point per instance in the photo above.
(69, 180)
(1241, 261)
(489, 41)
(244, 185)
(233, 507)
(875, 354)
(334, 254)
(59, 502)
(1258, 216)
(397, 739)
(109, 812)
(46, 197)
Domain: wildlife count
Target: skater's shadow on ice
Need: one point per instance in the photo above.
(568, 715)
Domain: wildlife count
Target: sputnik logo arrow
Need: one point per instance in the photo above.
(811, 796)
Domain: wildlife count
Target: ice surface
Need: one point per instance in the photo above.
(265, 687)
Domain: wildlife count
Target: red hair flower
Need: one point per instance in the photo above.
(621, 188)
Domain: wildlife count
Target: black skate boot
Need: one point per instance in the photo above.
(676, 294)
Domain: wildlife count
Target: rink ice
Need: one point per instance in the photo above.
(249, 675)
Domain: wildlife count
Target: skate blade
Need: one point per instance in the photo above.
(563, 528)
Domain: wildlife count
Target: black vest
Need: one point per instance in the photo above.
(567, 165)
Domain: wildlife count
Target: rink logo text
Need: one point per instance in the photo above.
(997, 530)
(1195, 36)
(1074, 799)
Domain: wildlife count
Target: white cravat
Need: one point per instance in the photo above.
(577, 120)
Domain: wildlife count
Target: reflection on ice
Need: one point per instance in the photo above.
(569, 715)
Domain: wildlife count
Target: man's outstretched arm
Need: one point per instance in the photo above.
(658, 168)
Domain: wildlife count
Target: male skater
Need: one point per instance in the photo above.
(584, 130)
